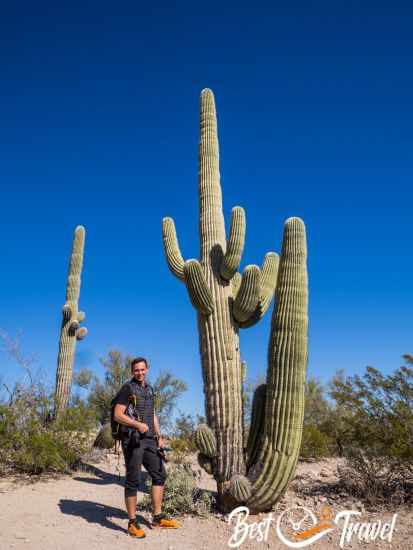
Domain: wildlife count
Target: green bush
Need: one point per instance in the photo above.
(31, 444)
(182, 496)
(379, 433)
(378, 413)
(315, 443)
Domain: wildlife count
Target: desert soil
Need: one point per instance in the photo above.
(85, 510)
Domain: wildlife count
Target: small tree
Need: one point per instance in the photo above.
(378, 412)
(167, 388)
(316, 441)
(101, 392)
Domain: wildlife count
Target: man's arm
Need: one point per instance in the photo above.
(156, 426)
(122, 418)
(157, 430)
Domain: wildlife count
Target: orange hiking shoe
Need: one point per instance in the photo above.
(162, 520)
(135, 530)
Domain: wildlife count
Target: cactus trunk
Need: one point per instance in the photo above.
(70, 331)
(227, 301)
(220, 354)
(287, 361)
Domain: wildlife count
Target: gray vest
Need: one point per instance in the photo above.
(143, 407)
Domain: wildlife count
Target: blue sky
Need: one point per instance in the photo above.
(99, 126)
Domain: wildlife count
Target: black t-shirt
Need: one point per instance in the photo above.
(144, 410)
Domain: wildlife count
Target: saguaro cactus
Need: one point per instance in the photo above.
(226, 301)
(274, 457)
(71, 331)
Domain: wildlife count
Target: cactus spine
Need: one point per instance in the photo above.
(226, 301)
(71, 331)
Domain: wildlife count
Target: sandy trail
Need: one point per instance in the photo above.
(86, 510)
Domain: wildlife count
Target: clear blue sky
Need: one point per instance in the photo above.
(99, 126)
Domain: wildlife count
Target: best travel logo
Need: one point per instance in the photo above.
(298, 527)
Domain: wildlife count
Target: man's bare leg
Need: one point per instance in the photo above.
(157, 497)
(130, 503)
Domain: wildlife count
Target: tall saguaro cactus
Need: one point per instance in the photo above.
(71, 331)
(226, 301)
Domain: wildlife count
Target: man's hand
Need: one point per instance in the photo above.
(142, 427)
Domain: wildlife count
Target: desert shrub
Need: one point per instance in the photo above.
(182, 496)
(379, 413)
(315, 443)
(375, 479)
(379, 433)
(181, 450)
(184, 432)
(32, 443)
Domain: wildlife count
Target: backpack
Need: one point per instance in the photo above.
(115, 427)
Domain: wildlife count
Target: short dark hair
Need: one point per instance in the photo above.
(139, 360)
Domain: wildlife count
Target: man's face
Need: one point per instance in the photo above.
(139, 371)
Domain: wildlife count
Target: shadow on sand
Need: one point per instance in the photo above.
(106, 478)
(95, 512)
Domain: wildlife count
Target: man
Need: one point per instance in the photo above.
(141, 440)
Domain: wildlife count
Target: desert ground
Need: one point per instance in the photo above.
(86, 510)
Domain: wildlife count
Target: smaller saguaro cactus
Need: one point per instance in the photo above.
(71, 331)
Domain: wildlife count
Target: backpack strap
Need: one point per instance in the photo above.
(132, 399)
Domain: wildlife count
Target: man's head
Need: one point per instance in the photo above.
(139, 368)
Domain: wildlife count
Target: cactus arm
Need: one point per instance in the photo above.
(240, 488)
(287, 362)
(199, 293)
(236, 283)
(66, 312)
(81, 333)
(235, 244)
(248, 294)
(205, 441)
(268, 281)
(171, 247)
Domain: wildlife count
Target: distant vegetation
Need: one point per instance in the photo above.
(366, 419)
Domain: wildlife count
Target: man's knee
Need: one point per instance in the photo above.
(133, 460)
(158, 475)
(130, 492)
(132, 480)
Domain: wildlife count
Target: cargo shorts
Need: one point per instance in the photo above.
(145, 453)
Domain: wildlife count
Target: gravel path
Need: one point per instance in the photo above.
(86, 511)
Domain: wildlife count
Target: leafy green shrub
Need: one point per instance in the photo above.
(31, 443)
(315, 443)
(379, 433)
(379, 413)
(182, 496)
